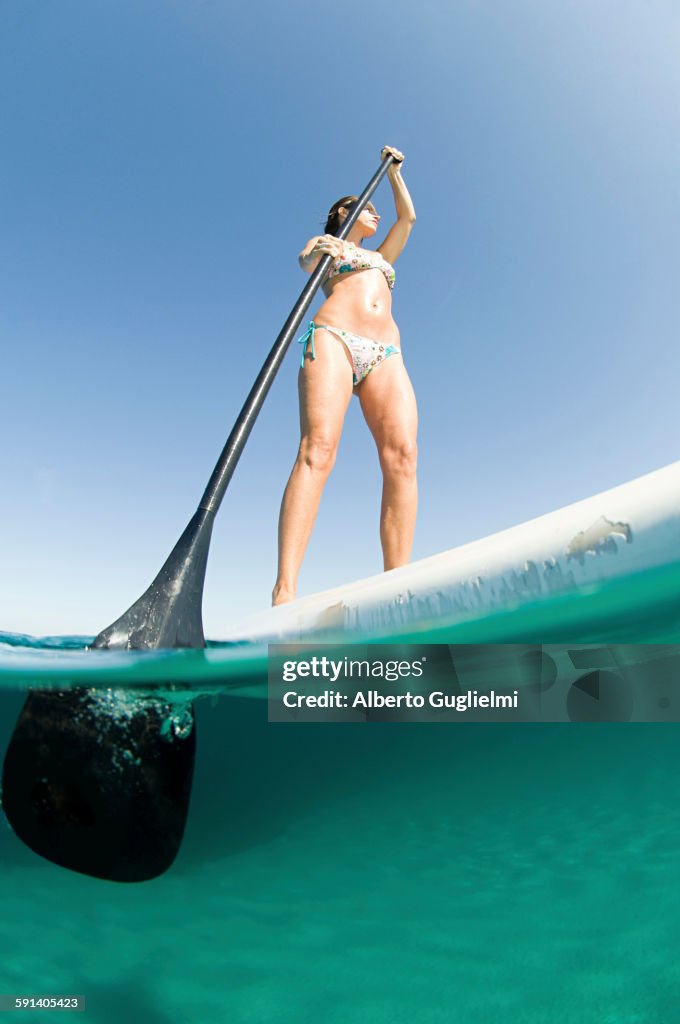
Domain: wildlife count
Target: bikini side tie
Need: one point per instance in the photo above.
(308, 336)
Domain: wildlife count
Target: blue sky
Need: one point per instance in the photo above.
(165, 161)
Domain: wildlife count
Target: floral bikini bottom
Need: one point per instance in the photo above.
(365, 352)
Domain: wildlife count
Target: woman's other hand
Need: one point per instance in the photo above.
(328, 244)
(317, 248)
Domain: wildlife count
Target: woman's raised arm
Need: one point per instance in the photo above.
(398, 234)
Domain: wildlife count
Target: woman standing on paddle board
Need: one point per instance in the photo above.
(352, 347)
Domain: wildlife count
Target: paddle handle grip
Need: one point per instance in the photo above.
(231, 453)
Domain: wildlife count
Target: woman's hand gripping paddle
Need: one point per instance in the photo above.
(100, 781)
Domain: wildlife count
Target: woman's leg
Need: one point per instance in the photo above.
(389, 406)
(325, 390)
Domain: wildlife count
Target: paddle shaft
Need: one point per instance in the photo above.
(231, 453)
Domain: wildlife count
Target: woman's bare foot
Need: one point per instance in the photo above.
(282, 594)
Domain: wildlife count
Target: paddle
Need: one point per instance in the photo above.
(100, 781)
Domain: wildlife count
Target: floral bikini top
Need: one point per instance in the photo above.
(361, 259)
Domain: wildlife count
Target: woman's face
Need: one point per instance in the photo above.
(368, 219)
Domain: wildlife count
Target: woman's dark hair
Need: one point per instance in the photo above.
(333, 222)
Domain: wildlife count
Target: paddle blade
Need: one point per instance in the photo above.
(168, 614)
(94, 783)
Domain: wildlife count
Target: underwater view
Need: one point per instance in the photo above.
(349, 873)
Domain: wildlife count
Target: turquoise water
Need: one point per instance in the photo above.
(475, 873)
(391, 873)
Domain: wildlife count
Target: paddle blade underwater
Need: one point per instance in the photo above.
(96, 786)
(100, 781)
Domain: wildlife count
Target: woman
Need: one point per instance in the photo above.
(353, 347)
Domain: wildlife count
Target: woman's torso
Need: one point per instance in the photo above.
(359, 299)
